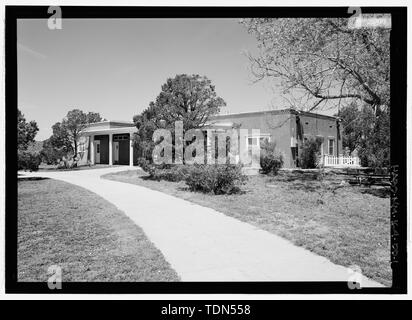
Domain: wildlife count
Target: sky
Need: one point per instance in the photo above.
(117, 66)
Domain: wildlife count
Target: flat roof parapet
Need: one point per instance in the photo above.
(111, 124)
(274, 112)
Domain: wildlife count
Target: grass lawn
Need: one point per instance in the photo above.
(88, 237)
(50, 167)
(350, 226)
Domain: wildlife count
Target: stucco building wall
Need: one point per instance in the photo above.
(289, 128)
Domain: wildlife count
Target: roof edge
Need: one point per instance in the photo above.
(280, 111)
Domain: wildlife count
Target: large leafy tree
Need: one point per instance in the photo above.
(367, 133)
(146, 123)
(66, 133)
(51, 154)
(60, 139)
(26, 131)
(352, 126)
(191, 99)
(321, 61)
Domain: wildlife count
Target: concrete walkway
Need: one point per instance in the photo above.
(202, 244)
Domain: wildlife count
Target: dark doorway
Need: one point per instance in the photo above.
(104, 148)
(124, 147)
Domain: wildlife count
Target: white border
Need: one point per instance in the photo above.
(197, 296)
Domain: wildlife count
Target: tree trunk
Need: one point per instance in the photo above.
(75, 148)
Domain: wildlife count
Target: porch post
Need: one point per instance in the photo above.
(210, 147)
(131, 151)
(110, 149)
(92, 149)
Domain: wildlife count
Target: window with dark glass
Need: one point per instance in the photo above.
(331, 146)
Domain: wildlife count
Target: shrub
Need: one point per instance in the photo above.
(146, 166)
(216, 179)
(309, 154)
(68, 161)
(173, 173)
(271, 160)
(28, 160)
(143, 163)
(164, 171)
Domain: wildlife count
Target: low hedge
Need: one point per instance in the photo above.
(168, 172)
(175, 173)
(216, 179)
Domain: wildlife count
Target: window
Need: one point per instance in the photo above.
(98, 148)
(331, 146)
(118, 137)
(252, 141)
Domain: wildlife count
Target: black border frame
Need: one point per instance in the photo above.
(398, 150)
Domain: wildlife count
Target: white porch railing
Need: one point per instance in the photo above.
(332, 161)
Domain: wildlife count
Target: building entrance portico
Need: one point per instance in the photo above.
(110, 142)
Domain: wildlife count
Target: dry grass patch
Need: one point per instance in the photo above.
(88, 237)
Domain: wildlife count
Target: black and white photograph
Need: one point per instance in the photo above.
(205, 150)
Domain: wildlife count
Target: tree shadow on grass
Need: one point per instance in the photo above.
(235, 191)
(305, 186)
(384, 192)
(310, 184)
(149, 178)
(31, 178)
(312, 176)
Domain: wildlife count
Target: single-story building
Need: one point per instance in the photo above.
(109, 142)
(289, 128)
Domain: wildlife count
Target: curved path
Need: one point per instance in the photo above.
(202, 244)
